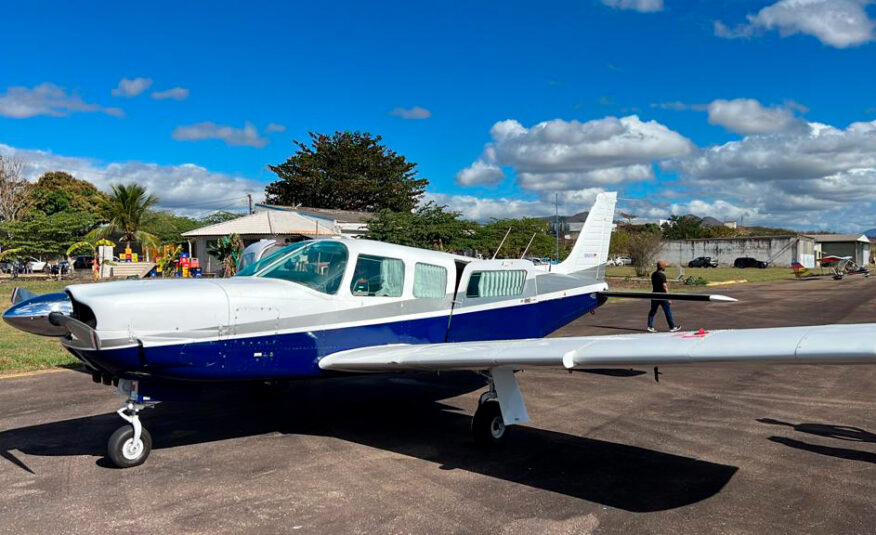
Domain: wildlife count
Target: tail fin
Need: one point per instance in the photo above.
(591, 247)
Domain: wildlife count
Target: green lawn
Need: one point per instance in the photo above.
(21, 352)
(718, 274)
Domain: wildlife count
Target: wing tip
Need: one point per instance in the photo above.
(722, 298)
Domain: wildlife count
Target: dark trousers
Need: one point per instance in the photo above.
(666, 310)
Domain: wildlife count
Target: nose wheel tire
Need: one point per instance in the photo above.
(122, 450)
(488, 427)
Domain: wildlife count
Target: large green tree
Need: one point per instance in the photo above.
(488, 237)
(346, 171)
(126, 211)
(167, 227)
(430, 226)
(57, 191)
(41, 235)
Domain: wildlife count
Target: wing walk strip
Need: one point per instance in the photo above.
(828, 344)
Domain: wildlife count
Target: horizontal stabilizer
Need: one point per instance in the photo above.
(715, 298)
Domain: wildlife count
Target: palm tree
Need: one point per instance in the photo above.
(126, 209)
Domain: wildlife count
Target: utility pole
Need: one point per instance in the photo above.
(557, 223)
(249, 197)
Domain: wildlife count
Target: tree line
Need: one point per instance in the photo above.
(46, 217)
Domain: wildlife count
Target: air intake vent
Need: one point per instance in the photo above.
(83, 313)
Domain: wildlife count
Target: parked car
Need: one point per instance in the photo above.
(61, 268)
(83, 262)
(749, 262)
(8, 266)
(703, 262)
(33, 265)
(621, 261)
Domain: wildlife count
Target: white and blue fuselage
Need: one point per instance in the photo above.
(281, 315)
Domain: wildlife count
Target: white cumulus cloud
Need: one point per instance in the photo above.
(412, 113)
(174, 93)
(837, 23)
(571, 155)
(247, 136)
(748, 116)
(484, 209)
(185, 188)
(643, 6)
(128, 88)
(47, 99)
(803, 177)
(274, 127)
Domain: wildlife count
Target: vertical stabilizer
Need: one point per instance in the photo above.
(591, 247)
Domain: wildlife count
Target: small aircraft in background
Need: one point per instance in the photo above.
(843, 265)
(339, 306)
(839, 267)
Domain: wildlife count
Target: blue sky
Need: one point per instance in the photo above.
(736, 109)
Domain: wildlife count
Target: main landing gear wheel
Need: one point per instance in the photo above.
(124, 452)
(488, 427)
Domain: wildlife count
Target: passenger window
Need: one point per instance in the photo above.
(378, 276)
(429, 280)
(496, 283)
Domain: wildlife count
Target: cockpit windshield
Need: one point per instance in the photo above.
(318, 265)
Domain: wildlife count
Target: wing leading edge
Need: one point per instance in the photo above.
(826, 344)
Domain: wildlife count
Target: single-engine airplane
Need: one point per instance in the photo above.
(326, 307)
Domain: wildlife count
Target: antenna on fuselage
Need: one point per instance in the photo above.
(527, 245)
(501, 243)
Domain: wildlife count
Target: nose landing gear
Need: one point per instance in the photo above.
(130, 445)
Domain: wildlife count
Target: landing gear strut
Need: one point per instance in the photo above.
(130, 445)
(498, 408)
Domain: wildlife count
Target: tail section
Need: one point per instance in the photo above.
(591, 247)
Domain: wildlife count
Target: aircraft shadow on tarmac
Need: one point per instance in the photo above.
(402, 414)
(839, 432)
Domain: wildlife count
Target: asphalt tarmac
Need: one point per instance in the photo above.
(734, 449)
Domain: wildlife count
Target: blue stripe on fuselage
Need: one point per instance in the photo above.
(286, 356)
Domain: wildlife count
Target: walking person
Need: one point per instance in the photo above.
(659, 284)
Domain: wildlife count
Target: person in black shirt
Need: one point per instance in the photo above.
(660, 285)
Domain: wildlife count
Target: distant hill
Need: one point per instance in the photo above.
(870, 233)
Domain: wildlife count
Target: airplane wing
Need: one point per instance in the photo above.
(826, 344)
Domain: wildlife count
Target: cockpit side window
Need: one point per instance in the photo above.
(251, 269)
(317, 265)
(378, 276)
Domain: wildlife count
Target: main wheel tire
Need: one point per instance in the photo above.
(487, 427)
(122, 451)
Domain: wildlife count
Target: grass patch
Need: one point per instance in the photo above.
(719, 274)
(23, 352)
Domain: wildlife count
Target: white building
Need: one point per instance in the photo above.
(275, 224)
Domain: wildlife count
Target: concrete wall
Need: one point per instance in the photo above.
(780, 250)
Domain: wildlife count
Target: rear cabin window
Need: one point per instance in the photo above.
(378, 276)
(429, 280)
(496, 283)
